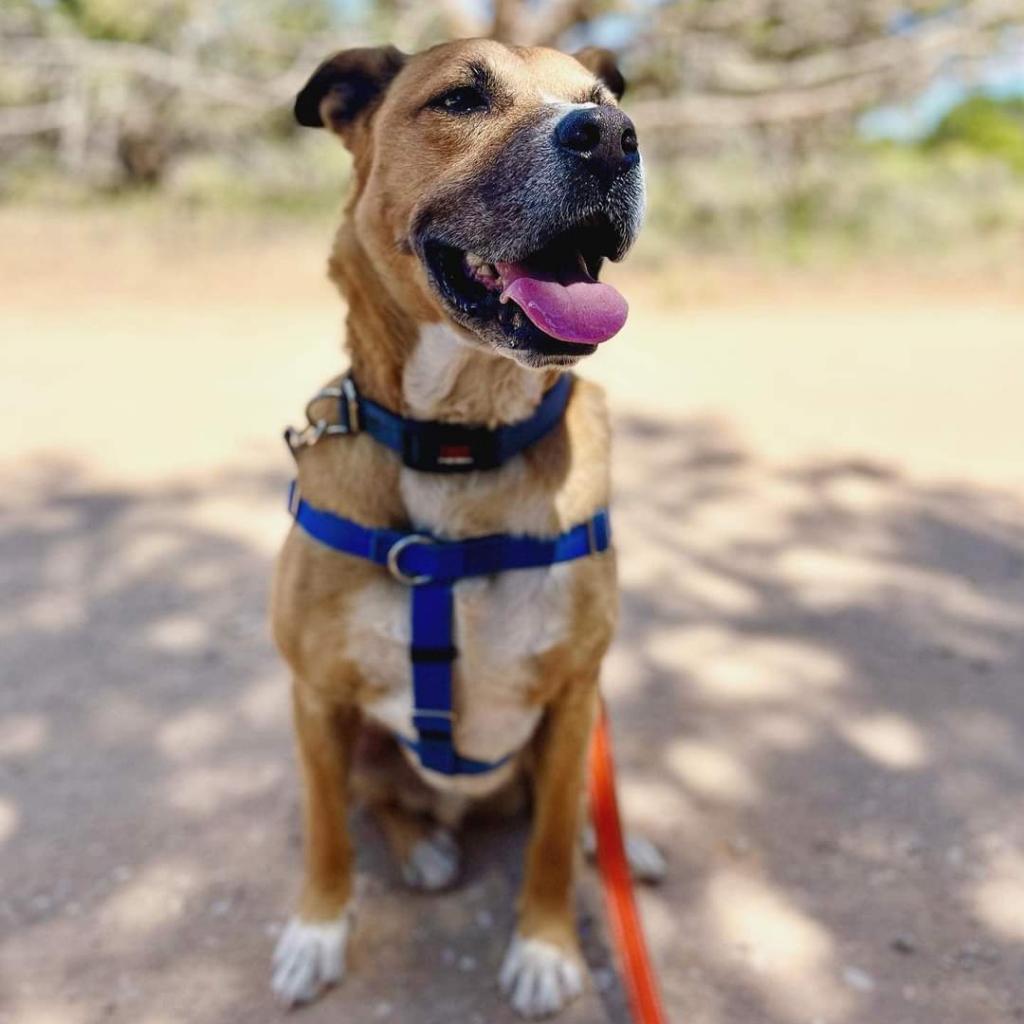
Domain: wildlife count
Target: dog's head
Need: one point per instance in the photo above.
(491, 183)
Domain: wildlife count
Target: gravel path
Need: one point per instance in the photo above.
(816, 691)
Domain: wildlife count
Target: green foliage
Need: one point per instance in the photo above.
(128, 20)
(986, 126)
(227, 24)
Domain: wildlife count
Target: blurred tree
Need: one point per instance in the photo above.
(131, 22)
(737, 62)
(117, 89)
(986, 126)
(790, 72)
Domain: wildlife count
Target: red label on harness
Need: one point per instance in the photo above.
(455, 455)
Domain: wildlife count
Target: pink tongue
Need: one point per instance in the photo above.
(570, 306)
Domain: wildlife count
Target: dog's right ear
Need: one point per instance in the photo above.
(346, 87)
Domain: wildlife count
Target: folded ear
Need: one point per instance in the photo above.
(346, 87)
(602, 64)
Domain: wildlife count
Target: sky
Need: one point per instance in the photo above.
(1001, 77)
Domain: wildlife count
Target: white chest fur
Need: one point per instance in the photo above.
(501, 623)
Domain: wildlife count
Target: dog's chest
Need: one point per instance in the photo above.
(502, 623)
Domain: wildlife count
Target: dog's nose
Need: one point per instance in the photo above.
(603, 136)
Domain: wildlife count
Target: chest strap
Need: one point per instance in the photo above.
(430, 567)
(432, 446)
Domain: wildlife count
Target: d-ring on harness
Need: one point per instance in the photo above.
(430, 566)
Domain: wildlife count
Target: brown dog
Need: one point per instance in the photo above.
(489, 184)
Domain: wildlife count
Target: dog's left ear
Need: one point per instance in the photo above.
(346, 87)
(602, 64)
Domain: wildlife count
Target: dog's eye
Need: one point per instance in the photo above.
(464, 100)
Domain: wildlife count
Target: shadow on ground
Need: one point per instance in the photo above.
(817, 710)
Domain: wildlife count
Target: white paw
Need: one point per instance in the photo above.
(646, 862)
(309, 957)
(539, 978)
(433, 863)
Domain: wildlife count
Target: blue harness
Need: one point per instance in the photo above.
(428, 446)
(430, 566)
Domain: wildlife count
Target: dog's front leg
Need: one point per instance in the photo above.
(542, 971)
(310, 954)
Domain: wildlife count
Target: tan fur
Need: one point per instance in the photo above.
(338, 620)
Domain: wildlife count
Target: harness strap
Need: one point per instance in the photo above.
(418, 558)
(436, 447)
(434, 714)
(430, 567)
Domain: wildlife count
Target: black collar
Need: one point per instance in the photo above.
(430, 446)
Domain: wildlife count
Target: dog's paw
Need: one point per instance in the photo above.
(539, 978)
(309, 957)
(433, 862)
(646, 862)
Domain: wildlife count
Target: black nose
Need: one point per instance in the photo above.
(603, 136)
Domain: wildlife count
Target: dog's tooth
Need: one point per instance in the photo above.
(474, 261)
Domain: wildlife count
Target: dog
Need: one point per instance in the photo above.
(490, 183)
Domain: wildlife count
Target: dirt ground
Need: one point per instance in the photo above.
(816, 689)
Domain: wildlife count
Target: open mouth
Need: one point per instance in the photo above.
(549, 301)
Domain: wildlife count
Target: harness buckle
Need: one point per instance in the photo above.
(395, 553)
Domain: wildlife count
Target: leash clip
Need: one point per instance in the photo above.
(395, 553)
(318, 428)
(307, 436)
(351, 424)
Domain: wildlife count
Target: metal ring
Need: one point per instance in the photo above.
(348, 390)
(320, 396)
(395, 552)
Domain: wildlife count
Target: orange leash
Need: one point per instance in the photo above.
(627, 931)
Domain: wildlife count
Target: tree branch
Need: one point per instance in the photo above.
(34, 119)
